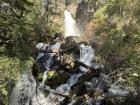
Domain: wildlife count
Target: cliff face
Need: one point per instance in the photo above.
(85, 12)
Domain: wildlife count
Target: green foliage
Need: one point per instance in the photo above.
(119, 21)
(16, 42)
(9, 70)
(16, 29)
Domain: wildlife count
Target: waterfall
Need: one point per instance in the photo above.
(71, 28)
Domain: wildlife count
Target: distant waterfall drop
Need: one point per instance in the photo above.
(71, 28)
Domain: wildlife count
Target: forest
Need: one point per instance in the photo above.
(69, 52)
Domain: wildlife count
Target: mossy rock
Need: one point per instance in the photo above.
(40, 76)
(68, 43)
(37, 72)
(56, 78)
(51, 74)
(68, 63)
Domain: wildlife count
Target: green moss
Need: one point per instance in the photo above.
(55, 79)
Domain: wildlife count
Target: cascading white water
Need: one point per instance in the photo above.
(64, 89)
(71, 28)
(23, 91)
(86, 56)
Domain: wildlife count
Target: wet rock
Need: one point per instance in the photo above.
(68, 2)
(41, 46)
(37, 72)
(69, 45)
(90, 101)
(68, 63)
(96, 83)
(54, 78)
(1, 103)
(106, 78)
(117, 91)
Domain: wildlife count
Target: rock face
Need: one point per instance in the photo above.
(82, 14)
(85, 12)
(1, 103)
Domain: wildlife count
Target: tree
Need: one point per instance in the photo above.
(118, 22)
(15, 41)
